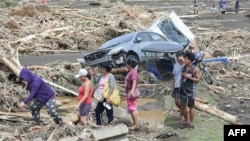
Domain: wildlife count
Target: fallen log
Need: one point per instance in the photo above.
(213, 110)
(216, 89)
(203, 101)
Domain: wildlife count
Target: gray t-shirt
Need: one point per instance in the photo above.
(177, 74)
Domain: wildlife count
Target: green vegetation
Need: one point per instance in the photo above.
(203, 94)
(9, 3)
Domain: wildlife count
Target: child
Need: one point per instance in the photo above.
(195, 7)
(213, 10)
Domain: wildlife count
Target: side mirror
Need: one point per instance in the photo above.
(138, 40)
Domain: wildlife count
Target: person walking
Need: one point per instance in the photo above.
(84, 97)
(190, 76)
(105, 76)
(177, 71)
(195, 7)
(213, 10)
(237, 7)
(42, 94)
(132, 92)
(222, 4)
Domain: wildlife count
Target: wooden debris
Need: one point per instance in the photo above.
(26, 10)
(12, 24)
(213, 110)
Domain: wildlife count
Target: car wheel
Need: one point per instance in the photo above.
(132, 56)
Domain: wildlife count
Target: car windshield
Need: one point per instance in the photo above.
(118, 40)
(172, 33)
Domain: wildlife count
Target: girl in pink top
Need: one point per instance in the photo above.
(130, 87)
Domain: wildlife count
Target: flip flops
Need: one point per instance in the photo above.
(184, 125)
(191, 127)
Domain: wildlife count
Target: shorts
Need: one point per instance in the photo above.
(175, 93)
(223, 12)
(195, 8)
(187, 102)
(84, 109)
(131, 105)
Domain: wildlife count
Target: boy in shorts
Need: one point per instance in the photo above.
(190, 76)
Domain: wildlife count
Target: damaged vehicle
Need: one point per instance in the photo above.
(168, 31)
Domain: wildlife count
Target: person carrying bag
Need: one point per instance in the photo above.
(107, 88)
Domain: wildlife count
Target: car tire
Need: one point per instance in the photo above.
(132, 56)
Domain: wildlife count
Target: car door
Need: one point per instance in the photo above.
(173, 28)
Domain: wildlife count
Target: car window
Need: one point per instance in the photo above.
(157, 37)
(173, 33)
(118, 40)
(144, 37)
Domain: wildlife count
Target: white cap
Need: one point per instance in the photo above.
(82, 72)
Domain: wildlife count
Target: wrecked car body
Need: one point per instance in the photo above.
(168, 31)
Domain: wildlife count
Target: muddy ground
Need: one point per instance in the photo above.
(234, 99)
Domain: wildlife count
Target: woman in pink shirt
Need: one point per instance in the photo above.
(84, 97)
(130, 89)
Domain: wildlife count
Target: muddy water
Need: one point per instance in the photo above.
(154, 118)
(150, 113)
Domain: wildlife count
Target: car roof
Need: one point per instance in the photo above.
(118, 40)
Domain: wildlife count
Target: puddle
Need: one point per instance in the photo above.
(154, 119)
(150, 113)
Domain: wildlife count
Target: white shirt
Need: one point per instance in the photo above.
(177, 71)
(213, 10)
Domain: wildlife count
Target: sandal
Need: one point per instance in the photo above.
(191, 127)
(184, 125)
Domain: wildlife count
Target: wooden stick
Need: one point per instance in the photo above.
(203, 101)
(52, 134)
(61, 87)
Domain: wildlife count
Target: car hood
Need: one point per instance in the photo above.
(172, 27)
(163, 47)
